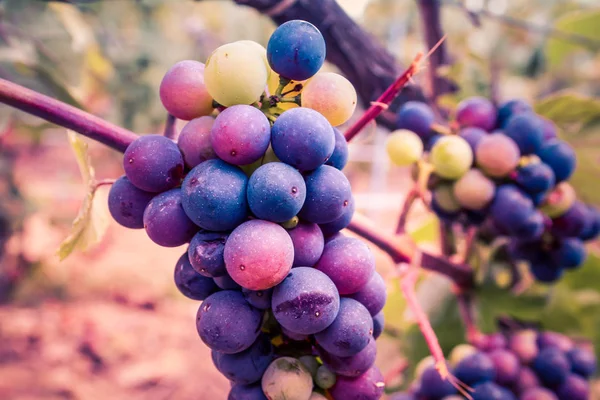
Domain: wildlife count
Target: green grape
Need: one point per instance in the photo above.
(451, 157)
(287, 378)
(310, 363)
(404, 147)
(422, 366)
(269, 157)
(459, 352)
(235, 73)
(474, 190)
(559, 200)
(324, 378)
(332, 95)
(444, 197)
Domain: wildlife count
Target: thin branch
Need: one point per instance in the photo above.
(470, 243)
(65, 115)
(466, 310)
(170, 131)
(411, 197)
(447, 243)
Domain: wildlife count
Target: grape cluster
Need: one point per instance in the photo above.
(505, 169)
(291, 307)
(525, 364)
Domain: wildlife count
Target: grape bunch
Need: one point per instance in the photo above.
(525, 364)
(505, 170)
(291, 307)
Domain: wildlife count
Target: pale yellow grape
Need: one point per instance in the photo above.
(474, 190)
(451, 157)
(259, 49)
(332, 95)
(460, 352)
(235, 73)
(444, 198)
(404, 147)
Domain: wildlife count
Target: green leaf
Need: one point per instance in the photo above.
(427, 232)
(90, 224)
(582, 23)
(567, 108)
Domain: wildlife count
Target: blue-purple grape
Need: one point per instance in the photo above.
(592, 227)
(190, 283)
(507, 366)
(351, 366)
(510, 208)
(554, 339)
(573, 222)
(308, 242)
(559, 156)
(524, 345)
(472, 136)
(260, 299)
(570, 253)
(476, 112)
(550, 129)
(339, 157)
(545, 272)
(328, 195)
(166, 222)
(368, 386)
(246, 392)
(583, 362)
(531, 228)
(491, 391)
(378, 324)
(434, 386)
(526, 380)
(551, 366)
(206, 253)
(574, 388)
(194, 141)
(535, 178)
(511, 108)
(527, 131)
(538, 393)
(476, 368)
(248, 366)
(334, 227)
(417, 117)
(372, 295)
(226, 283)
(127, 203)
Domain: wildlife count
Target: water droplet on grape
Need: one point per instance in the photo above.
(207, 307)
(294, 189)
(317, 314)
(259, 293)
(233, 153)
(242, 267)
(345, 203)
(130, 160)
(370, 331)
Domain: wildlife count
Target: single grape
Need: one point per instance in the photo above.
(592, 226)
(570, 253)
(422, 366)
(478, 112)
(573, 222)
(491, 391)
(311, 363)
(335, 236)
(350, 332)
(527, 131)
(531, 228)
(190, 283)
(165, 221)
(538, 393)
(296, 50)
(339, 157)
(474, 191)
(259, 48)
(308, 244)
(443, 195)
(493, 341)
(410, 396)
(460, 352)
(583, 362)
(350, 366)
(510, 208)
(574, 388)
(451, 157)
(330, 229)
(324, 378)
(229, 84)
(240, 134)
(472, 136)
(368, 386)
(535, 178)
(545, 272)
(434, 386)
(332, 95)
(526, 380)
(559, 200)
(258, 254)
(276, 192)
(246, 392)
(551, 366)
(554, 339)
(127, 203)
(511, 108)
(206, 253)
(306, 302)
(214, 195)
(476, 368)
(227, 323)
(287, 378)
(328, 195)
(302, 138)
(373, 294)
(183, 91)
(524, 345)
(260, 299)
(404, 147)
(507, 366)
(416, 117)
(559, 156)
(317, 396)
(194, 141)
(550, 129)
(497, 155)
(153, 163)
(248, 366)
(378, 324)
(226, 283)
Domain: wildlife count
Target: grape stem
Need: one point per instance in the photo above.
(410, 200)
(464, 299)
(170, 131)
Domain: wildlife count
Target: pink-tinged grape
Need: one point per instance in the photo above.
(339, 157)
(127, 203)
(451, 157)
(240, 134)
(378, 324)
(324, 378)
(507, 366)
(306, 302)
(538, 393)
(194, 141)
(332, 95)
(476, 111)
(328, 195)
(317, 396)
(206, 253)
(460, 352)
(404, 147)
(559, 200)
(554, 339)
(183, 91)
(165, 221)
(497, 155)
(373, 294)
(574, 388)
(258, 254)
(308, 244)
(246, 392)
(330, 229)
(235, 73)
(493, 341)
(260, 299)
(350, 332)
(227, 323)
(350, 366)
(190, 283)
(153, 163)
(368, 386)
(474, 191)
(287, 378)
(526, 380)
(348, 262)
(248, 366)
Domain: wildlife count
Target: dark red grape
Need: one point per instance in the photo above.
(507, 366)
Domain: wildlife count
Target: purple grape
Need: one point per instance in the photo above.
(524, 345)
(403, 396)
(538, 393)
(592, 227)
(550, 129)
(308, 244)
(183, 92)
(417, 117)
(573, 222)
(475, 368)
(337, 235)
(276, 192)
(302, 138)
(583, 362)
(510, 208)
(507, 366)
(227, 323)
(352, 366)
(569, 254)
(492, 342)
(339, 158)
(294, 336)
(240, 134)
(574, 388)
(551, 366)
(190, 283)
(511, 108)
(554, 339)
(560, 157)
(206, 253)
(373, 294)
(331, 228)
(527, 131)
(165, 221)
(328, 195)
(526, 380)
(491, 391)
(434, 386)
(153, 163)
(350, 332)
(472, 136)
(248, 366)
(258, 254)
(246, 392)
(214, 195)
(378, 324)
(476, 112)
(531, 228)
(546, 273)
(296, 50)
(535, 178)
(368, 386)
(127, 203)
(226, 283)
(349, 263)
(260, 299)
(194, 141)
(306, 302)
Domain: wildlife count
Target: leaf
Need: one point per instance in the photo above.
(570, 108)
(90, 224)
(582, 23)
(427, 232)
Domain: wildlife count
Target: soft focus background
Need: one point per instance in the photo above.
(109, 322)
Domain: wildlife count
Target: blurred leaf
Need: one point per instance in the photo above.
(583, 23)
(90, 224)
(568, 108)
(427, 232)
